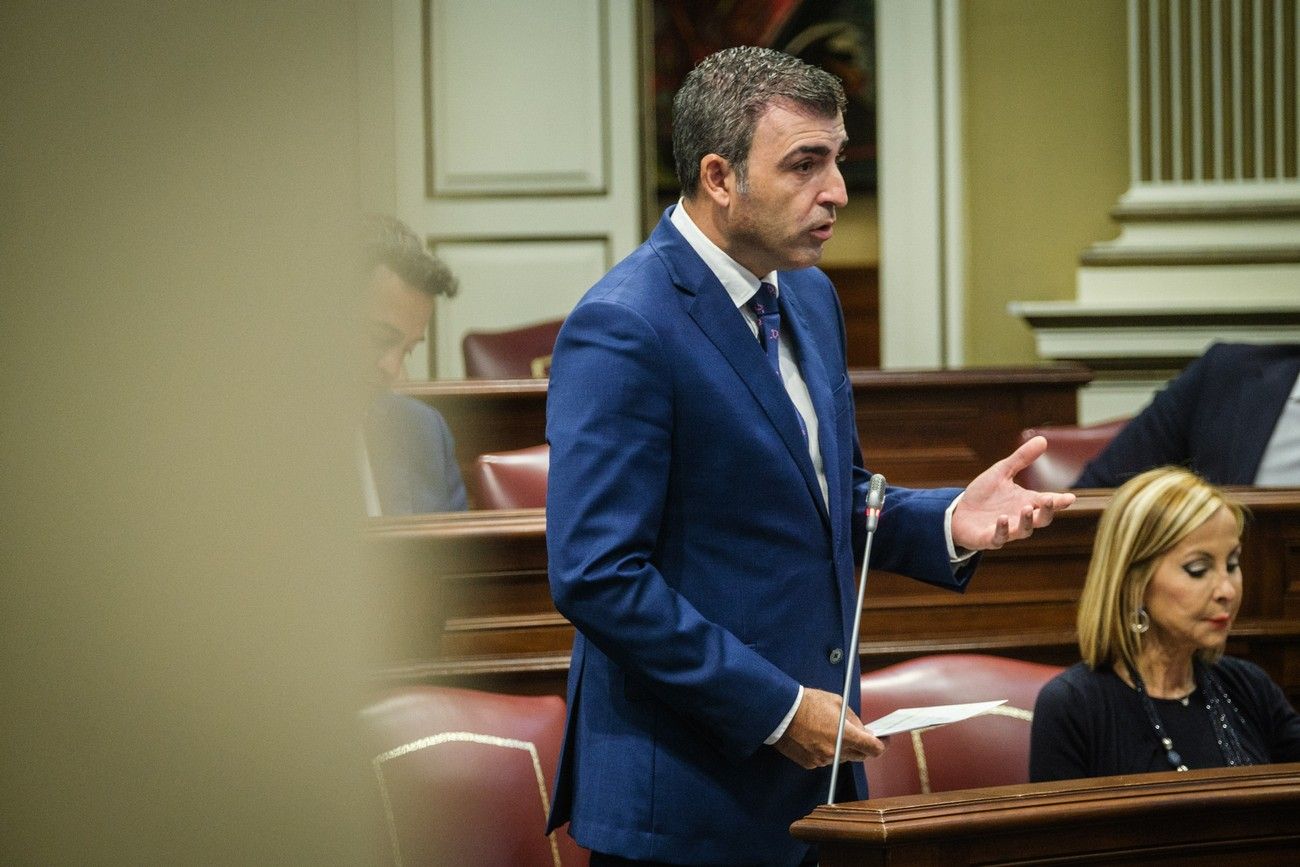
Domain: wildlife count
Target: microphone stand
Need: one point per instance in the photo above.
(875, 501)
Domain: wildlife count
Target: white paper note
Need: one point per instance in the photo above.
(906, 719)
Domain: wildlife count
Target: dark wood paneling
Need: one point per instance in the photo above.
(918, 427)
(859, 289)
(929, 428)
(475, 609)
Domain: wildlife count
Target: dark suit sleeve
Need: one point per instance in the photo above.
(1155, 437)
(609, 423)
(1284, 744)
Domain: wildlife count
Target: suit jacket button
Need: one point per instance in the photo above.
(836, 656)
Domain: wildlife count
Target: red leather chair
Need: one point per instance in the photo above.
(513, 480)
(1069, 448)
(988, 750)
(465, 777)
(519, 353)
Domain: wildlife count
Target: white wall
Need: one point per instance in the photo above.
(515, 154)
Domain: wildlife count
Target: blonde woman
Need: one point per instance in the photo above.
(1154, 691)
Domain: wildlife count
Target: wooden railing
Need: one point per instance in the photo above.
(1224, 816)
(920, 428)
(473, 607)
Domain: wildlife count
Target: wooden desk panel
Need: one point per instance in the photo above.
(1224, 816)
(940, 428)
(918, 427)
(475, 605)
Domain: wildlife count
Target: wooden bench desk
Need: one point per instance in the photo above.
(472, 602)
(922, 428)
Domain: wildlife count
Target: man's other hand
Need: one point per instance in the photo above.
(995, 510)
(809, 740)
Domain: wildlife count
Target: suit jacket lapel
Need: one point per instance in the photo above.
(716, 315)
(795, 324)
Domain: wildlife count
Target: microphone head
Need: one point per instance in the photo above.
(875, 500)
(876, 492)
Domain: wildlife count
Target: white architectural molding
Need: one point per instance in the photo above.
(1209, 247)
(1245, 193)
(913, 308)
(487, 97)
(952, 196)
(1110, 334)
(1182, 286)
(479, 159)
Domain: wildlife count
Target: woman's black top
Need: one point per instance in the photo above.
(1091, 724)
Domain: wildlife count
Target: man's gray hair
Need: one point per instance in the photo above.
(722, 98)
(391, 243)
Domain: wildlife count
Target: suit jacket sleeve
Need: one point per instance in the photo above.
(1155, 437)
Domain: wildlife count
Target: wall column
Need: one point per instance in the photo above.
(1209, 247)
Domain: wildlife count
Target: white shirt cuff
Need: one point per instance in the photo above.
(785, 723)
(954, 557)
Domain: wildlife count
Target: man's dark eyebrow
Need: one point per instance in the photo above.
(814, 150)
(808, 150)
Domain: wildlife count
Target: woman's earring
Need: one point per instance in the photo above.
(1140, 622)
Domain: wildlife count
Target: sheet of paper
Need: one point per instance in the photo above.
(906, 719)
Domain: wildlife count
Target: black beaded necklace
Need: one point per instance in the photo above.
(1217, 704)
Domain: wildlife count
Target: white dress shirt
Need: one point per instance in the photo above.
(742, 286)
(1280, 465)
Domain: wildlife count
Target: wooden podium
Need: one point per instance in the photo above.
(1225, 816)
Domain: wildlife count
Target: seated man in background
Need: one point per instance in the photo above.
(1233, 416)
(407, 455)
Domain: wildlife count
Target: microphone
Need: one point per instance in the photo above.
(875, 503)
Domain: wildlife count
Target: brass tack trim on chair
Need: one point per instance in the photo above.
(460, 737)
(918, 747)
(922, 769)
(1013, 712)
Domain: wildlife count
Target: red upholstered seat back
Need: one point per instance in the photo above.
(519, 353)
(465, 777)
(988, 750)
(1069, 448)
(514, 479)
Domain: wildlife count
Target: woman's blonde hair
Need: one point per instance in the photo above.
(1147, 516)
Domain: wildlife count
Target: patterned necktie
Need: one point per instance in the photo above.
(765, 307)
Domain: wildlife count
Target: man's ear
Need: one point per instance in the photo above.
(717, 179)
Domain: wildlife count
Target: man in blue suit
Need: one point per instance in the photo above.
(1233, 416)
(706, 495)
(406, 454)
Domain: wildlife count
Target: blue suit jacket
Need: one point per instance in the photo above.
(690, 545)
(1216, 417)
(412, 457)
